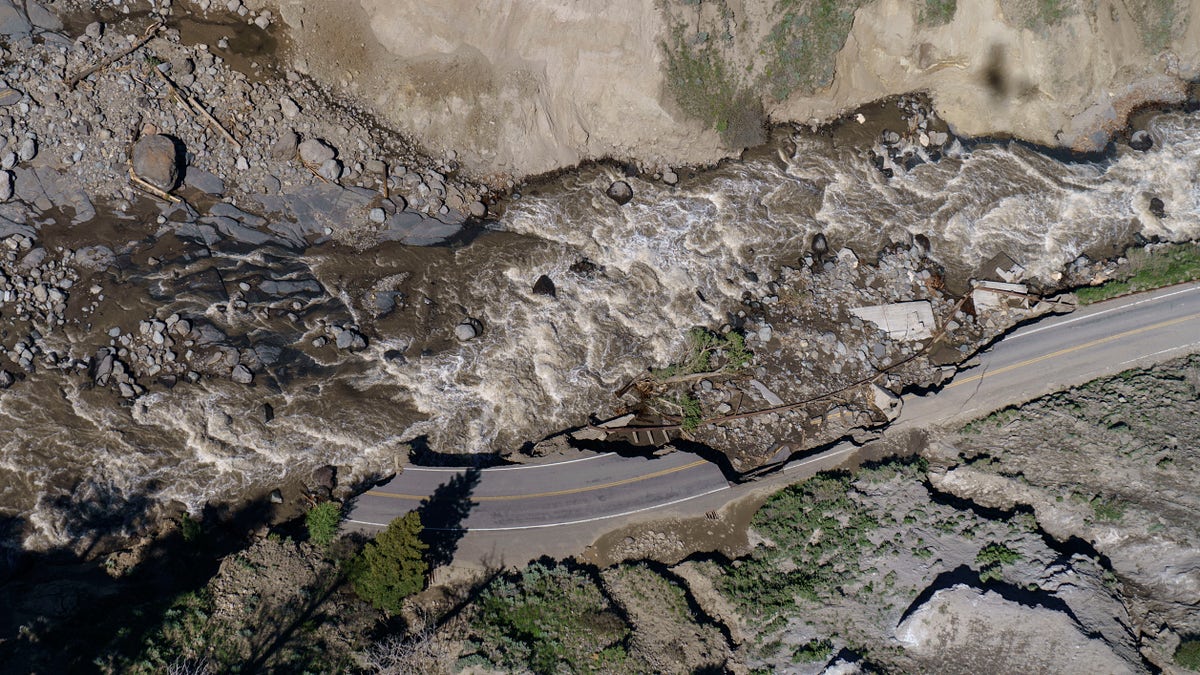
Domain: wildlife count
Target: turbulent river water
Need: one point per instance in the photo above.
(76, 460)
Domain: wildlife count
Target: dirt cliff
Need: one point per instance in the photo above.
(516, 88)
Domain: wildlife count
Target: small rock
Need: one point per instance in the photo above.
(670, 177)
(1158, 208)
(289, 107)
(377, 216)
(6, 186)
(276, 497)
(316, 152)
(764, 334)
(544, 286)
(350, 340)
(156, 161)
(242, 375)
(620, 192)
(331, 170)
(6, 379)
(478, 209)
(27, 150)
(204, 181)
(262, 21)
(1141, 140)
(10, 97)
(286, 146)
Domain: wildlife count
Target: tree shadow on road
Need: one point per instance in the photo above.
(444, 513)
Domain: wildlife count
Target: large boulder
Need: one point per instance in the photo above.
(156, 161)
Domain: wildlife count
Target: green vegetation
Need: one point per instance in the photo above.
(1159, 22)
(1038, 14)
(992, 558)
(1187, 654)
(189, 529)
(1174, 264)
(813, 650)
(938, 12)
(322, 522)
(549, 618)
(693, 415)
(701, 346)
(393, 566)
(804, 44)
(1108, 510)
(705, 86)
(817, 529)
(995, 419)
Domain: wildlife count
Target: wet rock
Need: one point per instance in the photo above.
(6, 379)
(466, 330)
(544, 286)
(619, 192)
(156, 161)
(325, 477)
(1141, 140)
(1158, 208)
(350, 340)
(316, 152)
(584, 268)
(820, 245)
(276, 497)
(670, 177)
(242, 375)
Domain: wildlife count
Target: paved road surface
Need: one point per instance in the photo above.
(559, 507)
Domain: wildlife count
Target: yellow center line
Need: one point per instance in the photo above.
(555, 493)
(1068, 350)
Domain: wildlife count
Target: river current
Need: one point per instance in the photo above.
(77, 461)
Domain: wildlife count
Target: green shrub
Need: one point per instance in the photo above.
(393, 566)
(549, 618)
(1187, 654)
(938, 12)
(992, 558)
(813, 650)
(322, 521)
(693, 415)
(189, 529)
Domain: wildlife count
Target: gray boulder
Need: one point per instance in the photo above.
(156, 161)
(316, 152)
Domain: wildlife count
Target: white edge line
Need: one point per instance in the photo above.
(582, 521)
(1017, 336)
(567, 522)
(1157, 353)
(460, 469)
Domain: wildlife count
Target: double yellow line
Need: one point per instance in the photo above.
(1068, 350)
(555, 493)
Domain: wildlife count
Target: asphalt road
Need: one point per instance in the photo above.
(570, 502)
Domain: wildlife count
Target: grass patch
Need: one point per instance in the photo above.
(813, 650)
(1170, 265)
(994, 420)
(1187, 654)
(804, 44)
(1108, 510)
(938, 12)
(548, 618)
(1159, 21)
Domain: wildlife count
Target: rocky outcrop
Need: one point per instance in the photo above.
(525, 87)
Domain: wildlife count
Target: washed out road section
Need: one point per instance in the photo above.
(592, 491)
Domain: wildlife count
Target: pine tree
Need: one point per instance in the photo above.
(393, 566)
